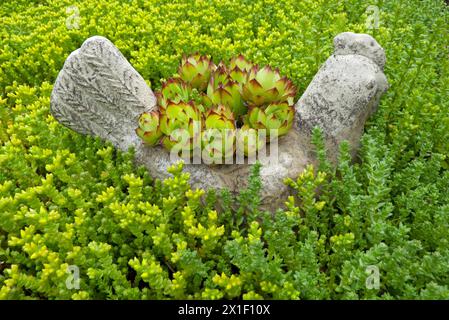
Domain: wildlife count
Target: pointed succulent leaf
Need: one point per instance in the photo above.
(149, 130)
(265, 86)
(179, 116)
(151, 138)
(219, 117)
(180, 139)
(248, 138)
(241, 62)
(235, 100)
(196, 70)
(238, 75)
(277, 116)
(176, 88)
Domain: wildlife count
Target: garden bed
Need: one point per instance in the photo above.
(70, 202)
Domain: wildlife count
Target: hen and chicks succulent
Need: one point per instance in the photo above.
(219, 106)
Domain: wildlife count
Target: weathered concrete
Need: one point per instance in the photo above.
(344, 92)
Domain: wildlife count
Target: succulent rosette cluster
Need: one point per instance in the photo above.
(216, 107)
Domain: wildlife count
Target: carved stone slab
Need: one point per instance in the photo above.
(99, 93)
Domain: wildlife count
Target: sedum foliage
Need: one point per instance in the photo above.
(70, 200)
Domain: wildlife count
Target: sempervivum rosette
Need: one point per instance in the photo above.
(177, 124)
(276, 118)
(225, 91)
(216, 107)
(218, 134)
(266, 85)
(196, 70)
(250, 140)
(149, 130)
(173, 90)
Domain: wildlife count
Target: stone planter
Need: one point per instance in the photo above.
(99, 93)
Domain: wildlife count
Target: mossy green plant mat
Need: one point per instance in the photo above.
(73, 200)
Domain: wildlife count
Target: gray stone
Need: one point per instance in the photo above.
(99, 93)
(344, 92)
(349, 43)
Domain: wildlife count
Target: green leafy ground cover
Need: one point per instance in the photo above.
(67, 200)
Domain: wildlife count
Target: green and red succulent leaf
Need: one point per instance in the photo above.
(276, 116)
(240, 62)
(179, 116)
(196, 70)
(149, 128)
(265, 86)
(219, 98)
(249, 139)
(219, 117)
(174, 90)
(223, 90)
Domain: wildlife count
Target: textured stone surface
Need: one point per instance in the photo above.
(344, 92)
(348, 43)
(99, 93)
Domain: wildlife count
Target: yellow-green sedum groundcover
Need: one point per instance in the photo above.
(70, 202)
